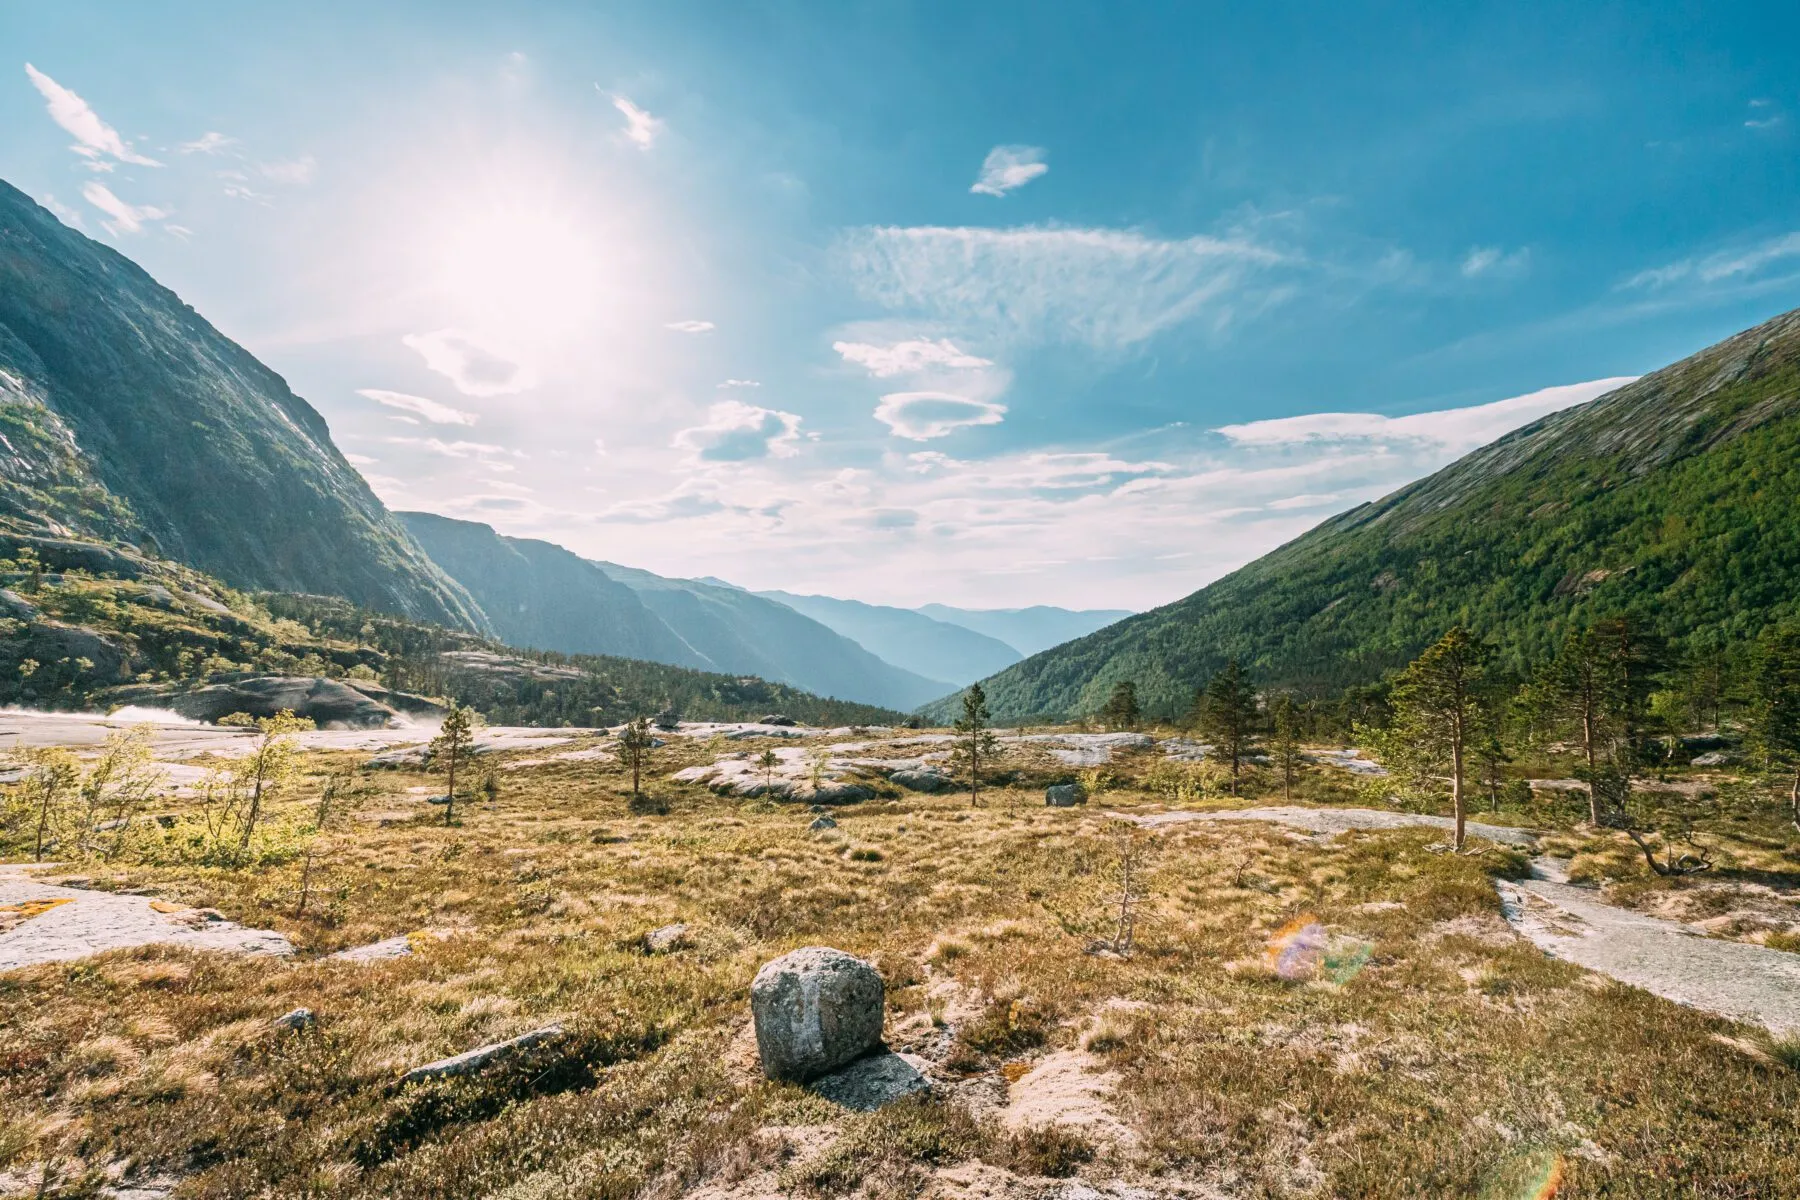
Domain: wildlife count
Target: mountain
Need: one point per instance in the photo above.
(538, 594)
(1672, 500)
(938, 650)
(1028, 630)
(130, 419)
(739, 631)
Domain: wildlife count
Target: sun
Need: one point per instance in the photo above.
(518, 267)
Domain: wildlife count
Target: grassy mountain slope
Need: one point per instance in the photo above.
(535, 593)
(1028, 630)
(1672, 499)
(128, 417)
(935, 649)
(740, 631)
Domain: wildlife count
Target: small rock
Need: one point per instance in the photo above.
(822, 823)
(815, 808)
(667, 720)
(1065, 795)
(1718, 758)
(299, 1019)
(776, 719)
(471, 1061)
(873, 1081)
(669, 937)
(437, 799)
(815, 1009)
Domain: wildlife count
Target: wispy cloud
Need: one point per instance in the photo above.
(122, 218)
(210, 142)
(458, 449)
(290, 170)
(476, 368)
(1008, 167)
(923, 416)
(1723, 266)
(1452, 431)
(738, 432)
(68, 216)
(93, 137)
(641, 129)
(1493, 261)
(421, 406)
(1107, 288)
(740, 383)
(691, 326)
(908, 357)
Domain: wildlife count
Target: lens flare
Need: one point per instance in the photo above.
(1303, 949)
(1536, 1175)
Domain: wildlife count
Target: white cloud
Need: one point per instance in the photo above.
(738, 432)
(740, 383)
(291, 171)
(477, 369)
(431, 410)
(457, 449)
(922, 416)
(360, 460)
(908, 357)
(93, 137)
(1009, 167)
(691, 326)
(1492, 260)
(1724, 266)
(210, 142)
(1453, 431)
(1107, 288)
(124, 218)
(641, 129)
(64, 213)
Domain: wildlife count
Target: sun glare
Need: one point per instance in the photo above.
(518, 269)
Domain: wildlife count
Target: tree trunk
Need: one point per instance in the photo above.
(1456, 790)
(1587, 745)
(450, 790)
(1794, 798)
(255, 811)
(44, 827)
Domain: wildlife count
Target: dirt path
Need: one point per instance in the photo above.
(59, 923)
(1666, 958)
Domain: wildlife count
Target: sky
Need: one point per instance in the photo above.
(989, 305)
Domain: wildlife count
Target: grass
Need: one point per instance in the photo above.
(1448, 1060)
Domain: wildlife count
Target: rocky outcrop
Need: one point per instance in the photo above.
(1065, 795)
(329, 703)
(815, 1010)
(482, 1057)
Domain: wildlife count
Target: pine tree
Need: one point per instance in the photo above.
(1775, 707)
(451, 748)
(1285, 722)
(635, 742)
(1438, 709)
(1225, 714)
(1582, 688)
(1121, 711)
(975, 741)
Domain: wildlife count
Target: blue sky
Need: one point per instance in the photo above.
(988, 304)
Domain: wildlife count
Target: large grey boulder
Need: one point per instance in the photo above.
(815, 1010)
(1065, 795)
(923, 780)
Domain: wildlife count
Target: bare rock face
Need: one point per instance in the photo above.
(815, 1010)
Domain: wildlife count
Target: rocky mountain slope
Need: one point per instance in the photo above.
(1671, 499)
(535, 593)
(127, 417)
(1028, 630)
(938, 650)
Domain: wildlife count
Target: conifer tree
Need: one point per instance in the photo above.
(1285, 724)
(635, 742)
(1225, 714)
(1121, 711)
(1438, 709)
(975, 741)
(1775, 707)
(451, 748)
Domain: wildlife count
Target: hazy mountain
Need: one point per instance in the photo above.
(1672, 499)
(739, 631)
(128, 418)
(538, 594)
(935, 649)
(1028, 630)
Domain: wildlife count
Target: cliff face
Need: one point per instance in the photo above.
(126, 416)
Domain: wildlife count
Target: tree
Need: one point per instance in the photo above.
(267, 767)
(1438, 709)
(975, 741)
(1225, 714)
(118, 786)
(1582, 688)
(1491, 759)
(1121, 711)
(451, 748)
(52, 775)
(768, 760)
(1775, 707)
(1285, 720)
(635, 742)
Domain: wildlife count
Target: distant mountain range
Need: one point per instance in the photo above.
(1028, 630)
(1672, 499)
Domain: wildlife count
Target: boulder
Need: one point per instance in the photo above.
(1717, 758)
(471, 1061)
(815, 1010)
(822, 823)
(1065, 795)
(668, 720)
(330, 703)
(669, 937)
(923, 781)
(842, 793)
(299, 1019)
(776, 719)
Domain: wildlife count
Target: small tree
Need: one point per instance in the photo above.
(975, 742)
(118, 785)
(635, 742)
(1121, 711)
(768, 760)
(1438, 710)
(1225, 714)
(1285, 721)
(1491, 759)
(52, 777)
(1775, 708)
(451, 748)
(1582, 689)
(270, 765)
